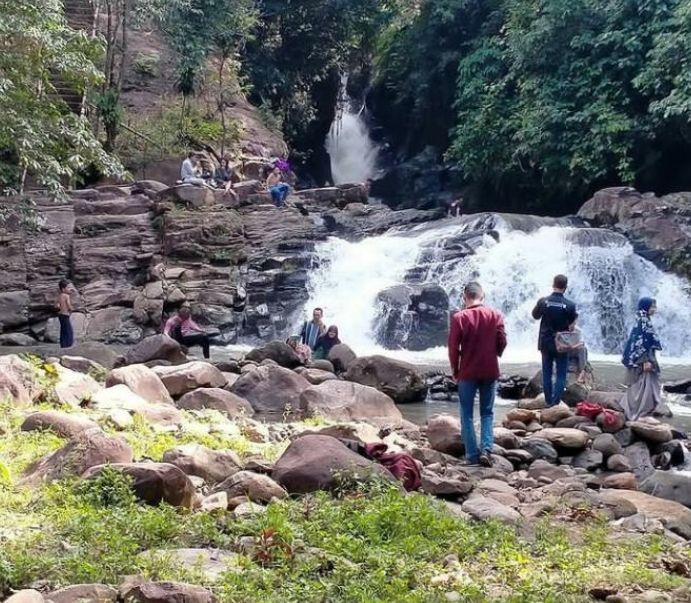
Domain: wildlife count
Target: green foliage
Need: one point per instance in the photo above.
(146, 63)
(38, 133)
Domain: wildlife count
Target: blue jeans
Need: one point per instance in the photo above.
(279, 193)
(66, 333)
(466, 395)
(553, 393)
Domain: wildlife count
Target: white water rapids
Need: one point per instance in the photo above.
(606, 280)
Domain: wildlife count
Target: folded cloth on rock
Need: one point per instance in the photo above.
(588, 409)
(400, 464)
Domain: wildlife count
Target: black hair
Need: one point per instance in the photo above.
(560, 282)
(63, 284)
(313, 311)
(473, 290)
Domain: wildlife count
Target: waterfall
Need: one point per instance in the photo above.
(352, 152)
(606, 278)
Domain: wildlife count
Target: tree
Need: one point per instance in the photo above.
(38, 134)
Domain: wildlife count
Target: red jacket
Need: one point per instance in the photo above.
(476, 340)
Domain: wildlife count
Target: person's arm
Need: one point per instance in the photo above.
(454, 343)
(169, 326)
(501, 335)
(193, 326)
(573, 314)
(68, 303)
(539, 308)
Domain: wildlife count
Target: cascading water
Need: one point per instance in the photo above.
(606, 279)
(352, 152)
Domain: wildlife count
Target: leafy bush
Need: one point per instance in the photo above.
(146, 63)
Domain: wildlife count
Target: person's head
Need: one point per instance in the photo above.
(276, 171)
(225, 163)
(560, 283)
(317, 314)
(473, 294)
(332, 332)
(191, 155)
(647, 305)
(63, 284)
(293, 341)
(185, 311)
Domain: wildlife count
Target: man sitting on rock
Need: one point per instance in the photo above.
(185, 331)
(190, 172)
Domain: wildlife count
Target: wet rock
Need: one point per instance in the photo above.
(278, 351)
(484, 508)
(166, 592)
(255, 486)
(340, 357)
(444, 435)
(156, 347)
(399, 380)
(540, 449)
(638, 455)
(669, 485)
(88, 449)
(214, 398)
(316, 462)
(84, 593)
(153, 483)
(342, 400)
(65, 425)
(676, 450)
(512, 387)
(619, 462)
(682, 386)
(607, 444)
(621, 481)
(589, 459)
(271, 389)
(142, 381)
(651, 430)
(187, 377)
(563, 437)
(211, 465)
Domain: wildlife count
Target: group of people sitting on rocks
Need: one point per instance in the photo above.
(199, 171)
(477, 339)
(315, 340)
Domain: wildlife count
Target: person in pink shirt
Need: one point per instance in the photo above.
(184, 330)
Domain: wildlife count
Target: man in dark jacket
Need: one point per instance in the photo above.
(556, 313)
(477, 338)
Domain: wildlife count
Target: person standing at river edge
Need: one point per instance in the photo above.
(63, 305)
(314, 329)
(556, 314)
(477, 338)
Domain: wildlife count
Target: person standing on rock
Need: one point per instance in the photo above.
(556, 314)
(313, 329)
(184, 330)
(63, 304)
(477, 338)
(642, 368)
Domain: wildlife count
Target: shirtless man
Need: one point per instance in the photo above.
(63, 305)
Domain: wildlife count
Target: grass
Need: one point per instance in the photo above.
(367, 545)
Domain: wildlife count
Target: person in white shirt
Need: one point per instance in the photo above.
(189, 173)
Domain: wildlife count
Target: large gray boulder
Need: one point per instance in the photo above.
(187, 377)
(166, 592)
(317, 462)
(342, 400)
(66, 425)
(278, 351)
(638, 455)
(670, 485)
(400, 380)
(156, 347)
(214, 398)
(211, 465)
(142, 381)
(444, 435)
(271, 390)
(255, 486)
(340, 357)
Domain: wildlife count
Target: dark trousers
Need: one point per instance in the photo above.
(553, 392)
(66, 333)
(200, 339)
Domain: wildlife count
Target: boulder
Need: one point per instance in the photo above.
(484, 508)
(211, 465)
(611, 400)
(214, 502)
(669, 485)
(322, 365)
(216, 399)
(448, 484)
(589, 459)
(18, 381)
(84, 593)
(564, 437)
(318, 462)
(278, 351)
(575, 393)
(555, 413)
(621, 481)
(73, 388)
(607, 444)
(523, 415)
(543, 469)
(399, 380)
(505, 438)
(120, 397)
(340, 357)
(317, 376)
(444, 435)
(255, 486)
(651, 430)
(83, 365)
(619, 462)
(342, 400)
(271, 389)
(64, 424)
(676, 450)
(142, 381)
(156, 347)
(166, 592)
(537, 403)
(540, 449)
(153, 483)
(88, 449)
(187, 377)
(639, 458)
(27, 595)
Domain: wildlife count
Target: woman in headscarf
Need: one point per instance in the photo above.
(326, 342)
(643, 371)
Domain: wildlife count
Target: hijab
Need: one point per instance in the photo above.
(326, 342)
(643, 340)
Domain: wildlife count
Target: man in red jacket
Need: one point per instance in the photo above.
(477, 339)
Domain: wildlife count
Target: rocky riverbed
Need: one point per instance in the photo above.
(150, 476)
